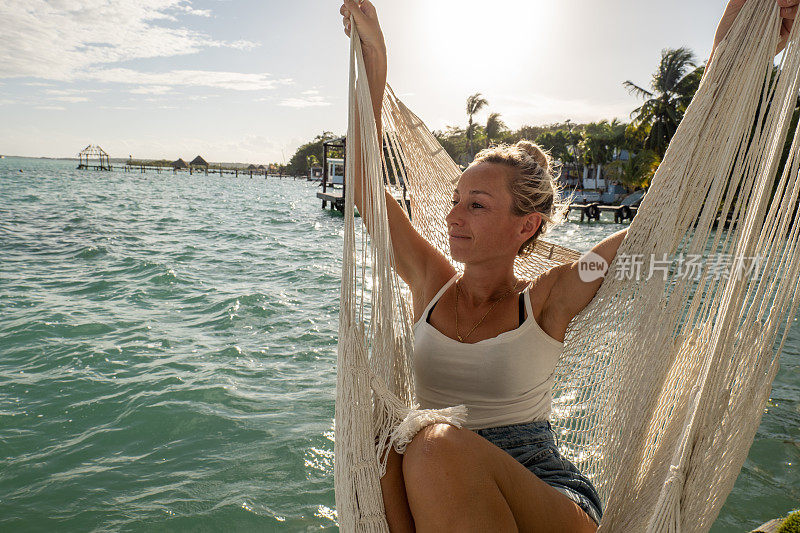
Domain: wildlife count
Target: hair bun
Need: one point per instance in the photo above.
(541, 157)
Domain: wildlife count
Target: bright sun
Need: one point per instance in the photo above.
(471, 33)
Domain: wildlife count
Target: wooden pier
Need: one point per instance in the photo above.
(593, 210)
(336, 200)
(220, 171)
(333, 189)
(622, 213)
(335, 197)
(208, 169)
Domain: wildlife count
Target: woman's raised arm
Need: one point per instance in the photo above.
(415, 258)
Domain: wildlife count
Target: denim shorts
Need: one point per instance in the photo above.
(533, 444)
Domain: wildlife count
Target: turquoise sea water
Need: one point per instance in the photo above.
(167, 357)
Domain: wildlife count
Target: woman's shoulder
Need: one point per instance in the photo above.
(433, 283)
(549, 320)
(539, 286)
(546, 278)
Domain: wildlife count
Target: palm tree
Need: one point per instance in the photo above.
(475, 103)
(558, 143)
(673, 86)
(636, 171)
(575, 135)
(598, 145)
(619, 138)
(494, 127)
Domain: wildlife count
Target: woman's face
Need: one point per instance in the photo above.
(480, 224)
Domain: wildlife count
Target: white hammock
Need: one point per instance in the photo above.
(662, 382)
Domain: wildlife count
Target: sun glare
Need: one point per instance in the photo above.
(469, 34)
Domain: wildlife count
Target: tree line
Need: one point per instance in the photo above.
(594, 146)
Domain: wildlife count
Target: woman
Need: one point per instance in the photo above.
(489, 340)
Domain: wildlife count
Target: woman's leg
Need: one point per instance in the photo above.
(458, 481)
(395, 502)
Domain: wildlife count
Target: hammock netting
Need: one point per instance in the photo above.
(664, 376)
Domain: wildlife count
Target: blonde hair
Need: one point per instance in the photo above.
(533, 185)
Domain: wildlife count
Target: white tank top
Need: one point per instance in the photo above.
(507, 379)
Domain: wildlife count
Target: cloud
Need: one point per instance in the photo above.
(71, 99)
(192, 11)
(153, 89)
(236, 81)
(70, 92)
(242, 44)
(62, 40)
(310, 101)
(51, 107)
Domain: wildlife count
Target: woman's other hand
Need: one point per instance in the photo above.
(366, 19)
(788, 11)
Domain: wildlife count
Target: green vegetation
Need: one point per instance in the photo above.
(494, 127)
(628, 153)
(475, 103)
(310, 154)
(596, 146)
(673, 87)
(634, 172)
(791, 524)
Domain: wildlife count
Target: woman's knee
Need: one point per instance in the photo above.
(434, 447)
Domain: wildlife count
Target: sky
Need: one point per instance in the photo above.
(250, 80)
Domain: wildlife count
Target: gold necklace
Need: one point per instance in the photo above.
(460, 338)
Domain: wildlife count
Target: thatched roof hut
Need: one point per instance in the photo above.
(93, 152)
(180, 163)
(199, 162)
(261, 168)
